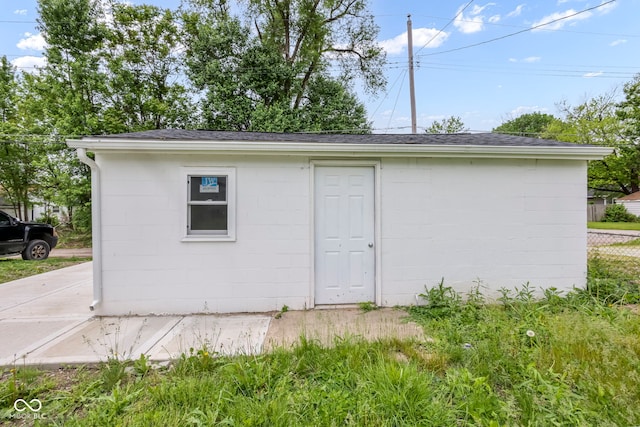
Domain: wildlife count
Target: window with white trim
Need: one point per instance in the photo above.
(211, 204)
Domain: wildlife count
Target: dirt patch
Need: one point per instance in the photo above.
(326, 325)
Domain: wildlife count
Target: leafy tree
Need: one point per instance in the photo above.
(269, 77)
(111, 67)
(452, 124)
(8, 89)
(71, 84)
(531, 125)
(143, 61)
(18, 150)
(628, 112)
(595, 122)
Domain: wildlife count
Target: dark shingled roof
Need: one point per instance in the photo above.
(486, 139)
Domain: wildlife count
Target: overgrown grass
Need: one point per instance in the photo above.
(614, 225)
(561, 360)
(614, 278)
(72, 239)
(16, 268)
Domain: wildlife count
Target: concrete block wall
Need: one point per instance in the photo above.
(501, 222)
(147, 266)
(505, 222)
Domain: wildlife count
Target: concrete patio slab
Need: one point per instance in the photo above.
(325, 325)
(99, 339)
(45, 321)
(223, 334)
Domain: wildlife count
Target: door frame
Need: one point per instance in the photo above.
(313, 163)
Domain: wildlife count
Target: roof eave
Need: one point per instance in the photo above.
(576, 152)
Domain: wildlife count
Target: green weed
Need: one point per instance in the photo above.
(367, 306)
(556, 360)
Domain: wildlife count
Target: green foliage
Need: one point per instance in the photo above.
(143, 66)
(18, 152)
(112, 374)
(553, 360)
(614, 225)
(439, 302)
(82, 218)
(618, 213)
(22, 383)
(48, 219)
(596, 122)
(628, 112)
(452, 124)
(613, 279)
(579, 368)
(531, 124)
(283, 310)
(277, 78)
(367, 306)
(15, 268)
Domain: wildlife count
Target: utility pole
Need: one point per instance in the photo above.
(412, 89)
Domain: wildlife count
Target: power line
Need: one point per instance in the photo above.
(386, 95)
(521, 31)
(587, 71)
(443, 28)
(404, 74)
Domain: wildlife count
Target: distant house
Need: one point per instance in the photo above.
(36, 211)
(631, 202)
(206, 221)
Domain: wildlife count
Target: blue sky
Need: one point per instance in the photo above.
(580, 56)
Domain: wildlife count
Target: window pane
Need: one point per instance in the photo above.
(208, 188)
(208, 218)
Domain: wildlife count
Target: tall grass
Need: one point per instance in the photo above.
(561, 360)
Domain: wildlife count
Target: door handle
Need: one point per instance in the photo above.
(370, 244)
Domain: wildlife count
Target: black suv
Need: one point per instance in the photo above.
(33, 240)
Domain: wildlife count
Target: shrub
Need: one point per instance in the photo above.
(82, 218)
(618, 213)
(49, 219)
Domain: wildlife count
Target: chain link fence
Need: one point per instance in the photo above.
(612, 244)
(614, 265)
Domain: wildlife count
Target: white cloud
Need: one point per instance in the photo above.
(471, 22)
(421, 36)
(516, 12)
(529, 59)
(494, 19)
(20, 12)
(593, 74)
(560, 19)
(32, 42)
(617, 42)
(29, 63)
(606, 8)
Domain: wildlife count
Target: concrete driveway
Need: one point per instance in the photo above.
(45, 320)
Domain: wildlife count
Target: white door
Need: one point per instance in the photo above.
(344, 235)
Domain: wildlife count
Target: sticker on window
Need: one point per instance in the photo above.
(209, 184)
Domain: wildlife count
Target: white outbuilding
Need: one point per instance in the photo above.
(188, 221)
(631, 202)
